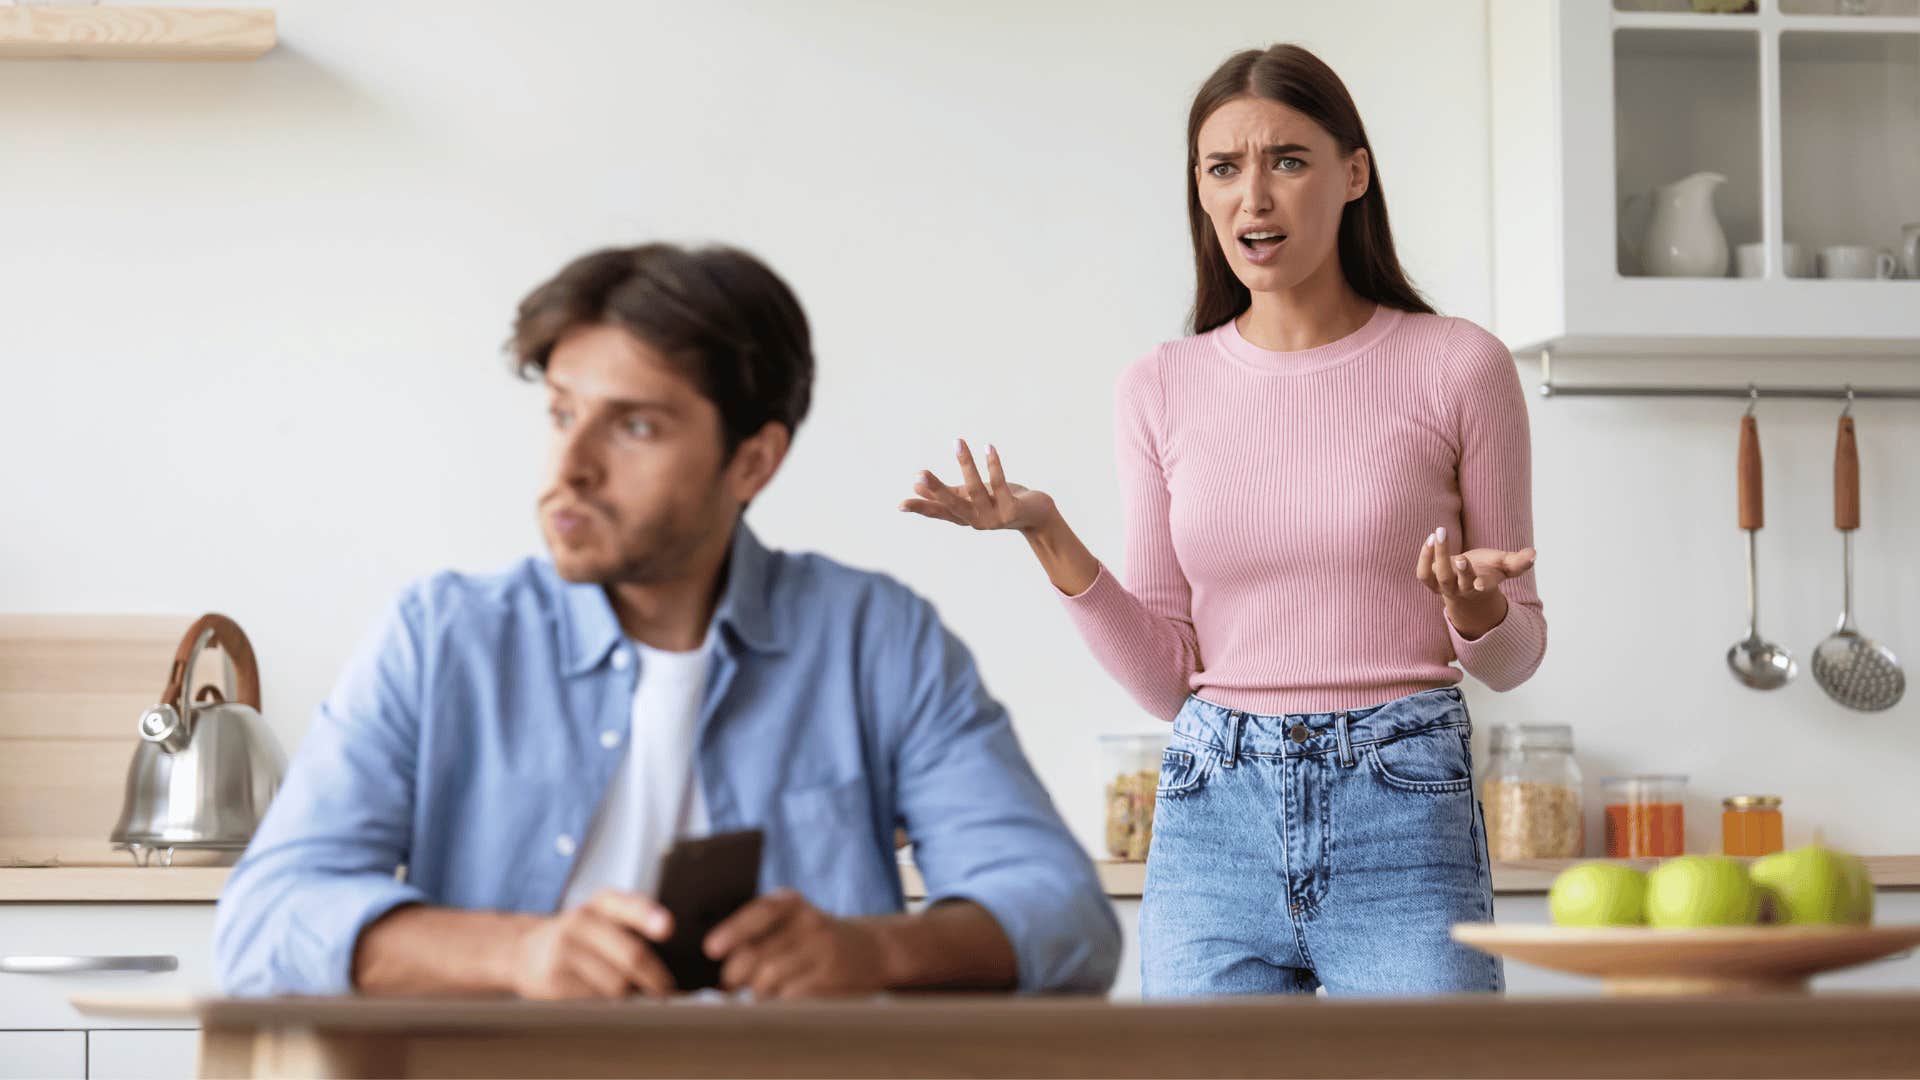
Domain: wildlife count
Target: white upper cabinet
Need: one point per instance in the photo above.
(1808, 109)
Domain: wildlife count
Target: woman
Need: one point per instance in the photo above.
(1323, 428)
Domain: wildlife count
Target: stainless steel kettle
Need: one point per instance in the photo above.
(205, 770)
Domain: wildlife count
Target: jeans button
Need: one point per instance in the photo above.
(1299, 733)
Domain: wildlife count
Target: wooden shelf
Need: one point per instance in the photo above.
(1122, 880)
(123, 884)
(1536, 875)
(135, 33)
(1125, 880)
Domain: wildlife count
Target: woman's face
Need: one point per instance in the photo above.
(1274, 184)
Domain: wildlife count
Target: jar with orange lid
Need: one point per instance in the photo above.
(1751, 825)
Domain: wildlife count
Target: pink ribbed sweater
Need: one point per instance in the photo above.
(1276, 503)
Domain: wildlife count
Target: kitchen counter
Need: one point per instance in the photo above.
(1792, 1035)
(117, 884)
(127, 884)
(1126, 879)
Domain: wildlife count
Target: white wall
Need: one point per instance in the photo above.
(305, 266)
(1643, 568)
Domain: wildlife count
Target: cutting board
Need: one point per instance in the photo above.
(71, 690)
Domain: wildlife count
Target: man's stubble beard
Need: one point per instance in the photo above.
(671, 545)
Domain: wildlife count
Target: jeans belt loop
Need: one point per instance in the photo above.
(1346, 744)
(1234, 721)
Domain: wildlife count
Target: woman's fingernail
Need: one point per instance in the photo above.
(1441, 534)
(959, 446)
(992, 450)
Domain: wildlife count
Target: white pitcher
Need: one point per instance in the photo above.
(1910, 249)
(1684, 238)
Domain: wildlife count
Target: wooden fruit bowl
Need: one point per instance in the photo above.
(1719, 959)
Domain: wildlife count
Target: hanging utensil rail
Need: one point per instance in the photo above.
(1551, 389)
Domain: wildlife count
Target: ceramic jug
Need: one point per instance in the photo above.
(1683, 237)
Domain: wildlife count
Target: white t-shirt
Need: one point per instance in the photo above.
(654, 797)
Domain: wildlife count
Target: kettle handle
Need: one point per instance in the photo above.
(224, 632)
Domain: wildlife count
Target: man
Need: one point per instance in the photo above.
(528, 744)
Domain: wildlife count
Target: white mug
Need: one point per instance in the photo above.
(1910, 249)
(1857, 261)
(1750, 260)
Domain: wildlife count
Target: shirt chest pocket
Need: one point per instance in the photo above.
(829, 850)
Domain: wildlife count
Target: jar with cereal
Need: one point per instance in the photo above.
(1532, 794)
(1130, 765)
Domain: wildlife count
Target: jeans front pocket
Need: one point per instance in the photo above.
(1181, 773)
(1436, 761)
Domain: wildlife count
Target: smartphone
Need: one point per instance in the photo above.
(702, 882)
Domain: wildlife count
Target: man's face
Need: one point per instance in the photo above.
(637, 481)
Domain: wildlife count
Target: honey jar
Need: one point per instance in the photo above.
(1750, 825)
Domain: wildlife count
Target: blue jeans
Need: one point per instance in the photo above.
(1322, 849)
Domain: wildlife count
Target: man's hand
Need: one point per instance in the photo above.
(595, 950)
(780, 946)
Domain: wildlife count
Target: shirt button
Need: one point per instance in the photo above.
(621, 659)
(564, 845)
(609, 739)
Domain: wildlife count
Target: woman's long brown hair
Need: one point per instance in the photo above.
(1296, 78)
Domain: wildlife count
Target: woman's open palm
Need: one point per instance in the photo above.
(992, 503)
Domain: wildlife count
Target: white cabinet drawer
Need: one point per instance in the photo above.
(183, 931)
(43, 1055)
(143, 1055)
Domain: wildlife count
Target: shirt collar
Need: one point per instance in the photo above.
(744, 609)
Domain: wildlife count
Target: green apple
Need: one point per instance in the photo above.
(1598, 894)
(1701, 890)
(1817, 885)
(1859, 891)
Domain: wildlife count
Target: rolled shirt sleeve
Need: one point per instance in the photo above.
(983, 827)
(322, 866)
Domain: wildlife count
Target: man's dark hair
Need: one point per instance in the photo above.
(729, 324)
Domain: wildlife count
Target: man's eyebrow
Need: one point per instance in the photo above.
(657, 405)
(649, 405)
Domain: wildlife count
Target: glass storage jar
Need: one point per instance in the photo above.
(1130, 765)
(1531, 794)
(1646, 816)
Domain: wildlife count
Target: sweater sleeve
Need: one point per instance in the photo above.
(1489, 411)
(1142, 632)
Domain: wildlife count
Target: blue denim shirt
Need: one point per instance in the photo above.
(473, 735)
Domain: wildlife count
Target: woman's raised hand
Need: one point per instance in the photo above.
(992, 503)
